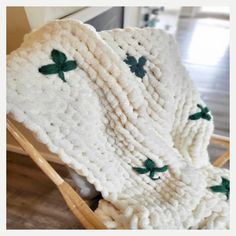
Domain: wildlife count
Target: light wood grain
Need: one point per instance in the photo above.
(220, 140)
(77, 205)
(33, 202)
(34, 154)
(220, 161)
(17, 27)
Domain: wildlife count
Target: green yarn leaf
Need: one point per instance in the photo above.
(49, 69)
(142, 60)
(61, 75)
(130, 60)
(206, 116)
(227, 195)
(60, 66)
(136, 66)
(69, 65)
(151, 175)
(149, 164)
(140, 73)
(224, 187)
(200, 106)
(151, 167)
(58, 57)
(141, 170)
(133, 69)
(218, 188)
(225, 182)
(205, 110)
(195, 116)
(202, 114)
(162, 169)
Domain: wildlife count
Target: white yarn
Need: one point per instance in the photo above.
(86, 190)
(103, 121)
(171, 95)
(180, 95)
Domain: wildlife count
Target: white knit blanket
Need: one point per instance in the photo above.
(119, 108)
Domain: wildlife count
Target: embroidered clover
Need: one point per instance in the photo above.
(150, 166)
(136, 66)
(223, 188)
(61, 65)
(202, 114)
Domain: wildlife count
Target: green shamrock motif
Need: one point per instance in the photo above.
(136, 66)
(202, 114)
(61, 65)
(223, 188)
(150, 166)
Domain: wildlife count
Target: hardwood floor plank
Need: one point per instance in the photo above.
(33, 201)
(207, 61)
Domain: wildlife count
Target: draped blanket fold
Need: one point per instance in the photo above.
(115, 107)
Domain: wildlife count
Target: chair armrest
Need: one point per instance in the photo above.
(222, 141)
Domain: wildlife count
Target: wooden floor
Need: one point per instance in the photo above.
(204, 48)
(33, 202)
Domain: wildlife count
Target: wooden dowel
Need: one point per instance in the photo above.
(220, 140)
(80, 209)
(77, 205)
(34, 154)
(220, 161)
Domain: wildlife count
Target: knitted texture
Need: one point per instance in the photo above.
(170, 94)
(104, 122)
(172, 88)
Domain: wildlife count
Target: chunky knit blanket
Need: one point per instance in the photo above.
(120, 109)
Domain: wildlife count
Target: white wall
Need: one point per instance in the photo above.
(38, 16)
(131, 16)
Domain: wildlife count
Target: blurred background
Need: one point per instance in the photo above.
(203, 35)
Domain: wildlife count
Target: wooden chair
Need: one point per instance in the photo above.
(76, 204)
